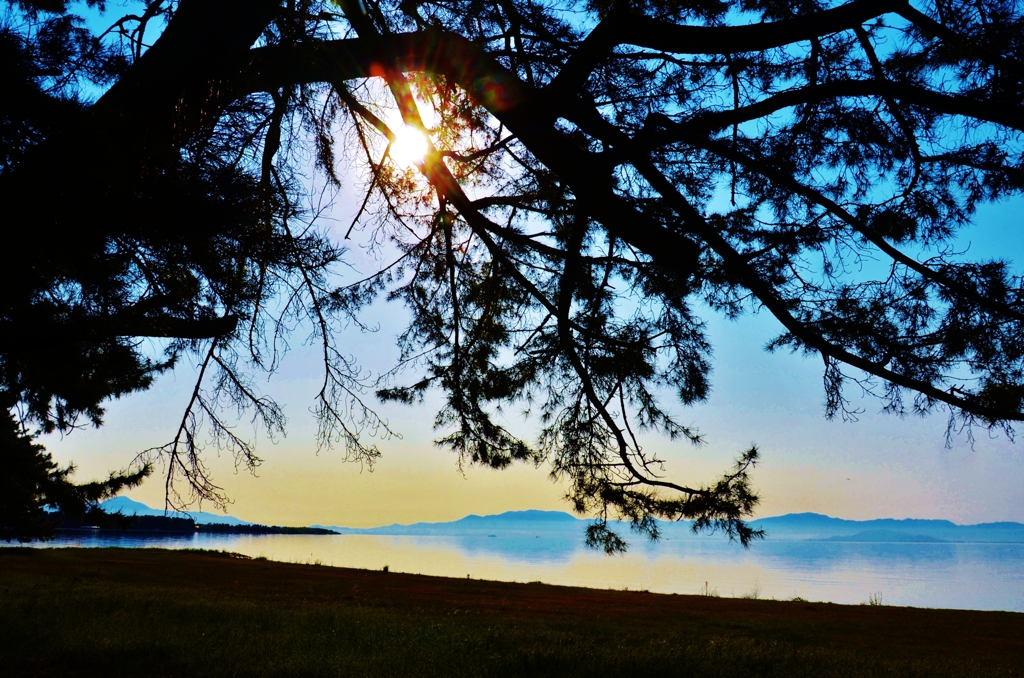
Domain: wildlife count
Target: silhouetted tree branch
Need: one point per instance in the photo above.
(596, 176)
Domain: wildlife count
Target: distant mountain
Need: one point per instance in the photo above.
(814, 526)
(130, 507)
(518, 523)
(791, 527)
(561, 525)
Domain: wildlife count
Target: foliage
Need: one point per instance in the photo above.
(32, 481)
(177, 243)
(598, 175)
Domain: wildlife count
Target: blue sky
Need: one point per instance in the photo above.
(879, 466)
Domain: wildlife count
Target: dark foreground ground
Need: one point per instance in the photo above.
(114, 612)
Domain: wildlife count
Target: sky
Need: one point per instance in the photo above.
(879, 466)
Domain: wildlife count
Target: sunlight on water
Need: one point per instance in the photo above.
(972, 576)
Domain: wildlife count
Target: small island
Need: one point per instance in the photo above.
(176, 525)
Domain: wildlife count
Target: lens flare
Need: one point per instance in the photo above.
(409, 147)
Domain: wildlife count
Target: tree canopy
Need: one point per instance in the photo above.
(596, 175)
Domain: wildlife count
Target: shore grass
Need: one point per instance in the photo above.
(120, 612)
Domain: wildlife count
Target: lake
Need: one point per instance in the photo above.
(948, 575)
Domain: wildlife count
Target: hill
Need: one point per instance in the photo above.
(790, 527)
(805, 526)
(131, 507)
(510, 523)
(531, 523)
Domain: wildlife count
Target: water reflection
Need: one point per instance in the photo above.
(974, 576)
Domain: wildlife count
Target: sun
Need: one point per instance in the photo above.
(409, 147)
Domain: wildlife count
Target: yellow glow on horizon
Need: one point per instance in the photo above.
(409, 147)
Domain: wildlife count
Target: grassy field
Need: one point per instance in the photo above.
(113, 612)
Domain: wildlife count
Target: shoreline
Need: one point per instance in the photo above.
(133, 596)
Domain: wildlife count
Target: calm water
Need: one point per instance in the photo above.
(972, 576)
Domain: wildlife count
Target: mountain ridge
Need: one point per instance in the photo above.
(129, 506)
(813, 526)
(794, 526)
(806, 526)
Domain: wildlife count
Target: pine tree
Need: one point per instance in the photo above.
(596, 175)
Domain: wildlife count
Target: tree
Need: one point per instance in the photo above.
(596, 175)
(32, 481)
